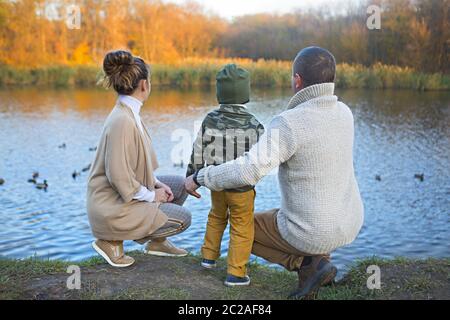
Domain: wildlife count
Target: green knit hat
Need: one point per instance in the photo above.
(233, 85)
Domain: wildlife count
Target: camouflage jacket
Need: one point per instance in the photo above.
(225, 134)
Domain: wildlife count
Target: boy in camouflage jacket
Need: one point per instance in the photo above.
(225, 134)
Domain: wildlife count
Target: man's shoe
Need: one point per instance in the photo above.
(311, 277)
(233, 281)
(164, 249)
(208, 264)
(112, 252)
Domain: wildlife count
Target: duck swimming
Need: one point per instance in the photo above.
(34, 177)
(181, 164)
(42, 186)
(75, 174)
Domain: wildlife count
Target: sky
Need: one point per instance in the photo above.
(232, 8)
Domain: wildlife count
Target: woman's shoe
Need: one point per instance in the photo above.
(164, 249)
(112, 252)
(233, 281)
(208, 264)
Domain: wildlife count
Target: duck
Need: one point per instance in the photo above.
(378, 177)
(75, 174)
(419, 176)
(181, 164)
(42, 186)
(93, 149)
(87, 168)
(63, 146)
(2, 181)
(34, 176)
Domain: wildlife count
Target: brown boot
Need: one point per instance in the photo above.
(112, 252)
(315, 272)
(164, 248)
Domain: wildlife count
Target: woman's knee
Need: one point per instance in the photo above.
(176, 212)
(187, 216)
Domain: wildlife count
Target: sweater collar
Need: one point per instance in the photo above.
(131, 102)
(311, 92)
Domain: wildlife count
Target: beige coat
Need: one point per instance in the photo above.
(124, 161)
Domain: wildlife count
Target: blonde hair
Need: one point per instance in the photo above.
(123, 71)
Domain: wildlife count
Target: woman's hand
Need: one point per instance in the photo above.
(167, 189)
(161, 195)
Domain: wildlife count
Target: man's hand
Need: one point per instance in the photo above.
(191, 187)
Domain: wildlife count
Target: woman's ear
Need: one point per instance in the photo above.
(143, 85)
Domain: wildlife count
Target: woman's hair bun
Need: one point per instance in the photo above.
(117, 61)
(123, 71)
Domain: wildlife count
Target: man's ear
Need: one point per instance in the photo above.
(298, 81)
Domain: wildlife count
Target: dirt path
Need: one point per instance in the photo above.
(183, 278)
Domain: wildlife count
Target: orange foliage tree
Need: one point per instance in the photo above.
(34, 32)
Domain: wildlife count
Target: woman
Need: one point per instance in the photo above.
(125, 201)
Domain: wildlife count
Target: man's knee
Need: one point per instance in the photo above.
(264, 219)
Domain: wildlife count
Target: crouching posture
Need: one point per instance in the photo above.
(311, 144)
(125, 201)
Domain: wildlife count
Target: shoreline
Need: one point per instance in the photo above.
(158, 278)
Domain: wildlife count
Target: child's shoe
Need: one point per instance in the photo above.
(209, 264)
(233, 281)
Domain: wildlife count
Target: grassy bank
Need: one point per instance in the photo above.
(195, 72)
(183, 278)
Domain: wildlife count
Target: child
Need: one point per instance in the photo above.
(226, 133)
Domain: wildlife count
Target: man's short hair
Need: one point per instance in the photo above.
(315, 65)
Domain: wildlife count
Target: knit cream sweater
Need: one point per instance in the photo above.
(312, 144)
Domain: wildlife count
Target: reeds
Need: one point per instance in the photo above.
(381, 76)
(202, 72)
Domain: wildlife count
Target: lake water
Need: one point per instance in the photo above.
(398, 134)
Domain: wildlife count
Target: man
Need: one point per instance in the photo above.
(311, 143)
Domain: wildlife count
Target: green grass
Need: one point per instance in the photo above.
(401, 278)
(197, 73)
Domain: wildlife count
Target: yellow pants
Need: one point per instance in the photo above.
(238, 207)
